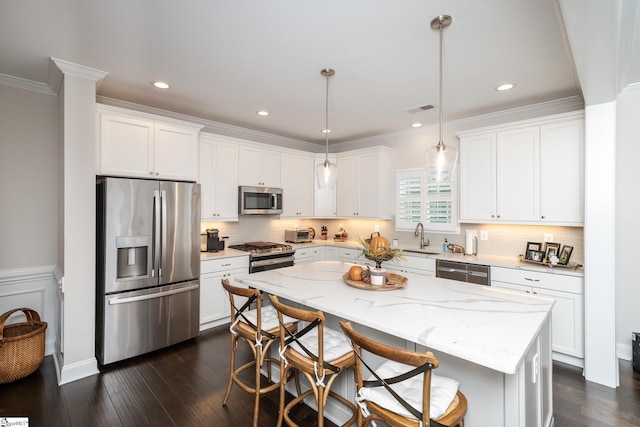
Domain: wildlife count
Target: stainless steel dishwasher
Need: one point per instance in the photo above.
(464, 272)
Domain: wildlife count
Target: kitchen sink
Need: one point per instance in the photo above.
(422, 251)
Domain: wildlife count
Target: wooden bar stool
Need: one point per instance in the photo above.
(320, 353)
(401, 395)
(259, 328)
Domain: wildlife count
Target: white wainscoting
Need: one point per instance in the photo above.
(34, 288)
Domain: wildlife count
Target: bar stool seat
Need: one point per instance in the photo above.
(403, 391)
(320, 353)
(259, 328)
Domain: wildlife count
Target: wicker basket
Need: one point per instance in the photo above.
(21, 345)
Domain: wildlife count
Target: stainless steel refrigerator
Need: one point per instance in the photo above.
(147, 265)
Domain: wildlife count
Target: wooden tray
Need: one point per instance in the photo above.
(572, 265)
(394, 281)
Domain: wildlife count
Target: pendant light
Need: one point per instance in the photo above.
(441, 160)
(326, 172)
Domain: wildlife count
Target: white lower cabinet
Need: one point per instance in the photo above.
(332, 253)
(413, 264)
(303, 255)
(567, 323)
(319, 253)
(353, 256)
(214, 303)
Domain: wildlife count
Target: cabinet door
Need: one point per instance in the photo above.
(332, 253)
(369, 185)
(270, 168)
(226, 180)
(325, 199)
(249, 166)
(126, 146)
(214, 304)
(478, 178)
(518, 175)
(303, 255)
(258, 167)
(566, 323)
(319, 253)
(297, 177)
(347, 187)
(175, 153)
(206, 179)
(562, 173)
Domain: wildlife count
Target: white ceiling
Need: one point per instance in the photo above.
(227, 59)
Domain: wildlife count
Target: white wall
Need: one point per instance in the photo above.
(29, 149)
(627, 208)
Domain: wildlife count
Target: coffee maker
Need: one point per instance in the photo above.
(214, 242)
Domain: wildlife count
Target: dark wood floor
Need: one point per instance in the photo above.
(184, 386)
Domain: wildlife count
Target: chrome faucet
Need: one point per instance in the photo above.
(420, 229)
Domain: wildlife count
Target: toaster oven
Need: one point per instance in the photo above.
(297, 236)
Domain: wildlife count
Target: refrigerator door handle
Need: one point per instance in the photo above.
(156, 233)
(116, 300)
(163, 232)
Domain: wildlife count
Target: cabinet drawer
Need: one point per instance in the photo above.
(223, 264)
(351, 254)
(416, 262)
(555, 282)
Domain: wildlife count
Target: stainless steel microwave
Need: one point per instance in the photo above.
(259, 200)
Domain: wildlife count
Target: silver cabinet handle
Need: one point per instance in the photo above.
(531, 280)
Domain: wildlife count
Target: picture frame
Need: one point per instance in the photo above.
(551, 249)
(532, 247)
(565, 255)
(537, 256)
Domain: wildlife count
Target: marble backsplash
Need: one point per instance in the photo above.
(503, 240)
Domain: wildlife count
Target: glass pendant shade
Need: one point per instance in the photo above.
(326, 175)
(441, 162)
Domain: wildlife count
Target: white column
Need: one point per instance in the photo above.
(76, 87)
(601, 363)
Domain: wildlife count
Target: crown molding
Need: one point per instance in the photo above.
(25, 84)
(217, 127)
(59, 67)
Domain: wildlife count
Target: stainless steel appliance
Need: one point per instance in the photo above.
(267, 255)
(298, 236)
(464, 272)
(259, 200)
(147, 265)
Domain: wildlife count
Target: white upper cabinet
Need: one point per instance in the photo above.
(135, 144)
(325, 198)
(526, 174)
(218, 178)
(562, 173)
(364, 187)
(297, 178)
(259, 166)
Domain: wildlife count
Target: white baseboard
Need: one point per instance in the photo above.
(75, 371)
(624, 351)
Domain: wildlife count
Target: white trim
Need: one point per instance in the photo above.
(624, 351)
(631, 88)
(19, 275)
(78, 370)
(25, 84)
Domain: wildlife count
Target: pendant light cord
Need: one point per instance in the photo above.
(326, 123)
(440, 142)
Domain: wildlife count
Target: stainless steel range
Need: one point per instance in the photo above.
(265, 256)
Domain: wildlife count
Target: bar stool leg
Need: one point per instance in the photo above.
(232, 367)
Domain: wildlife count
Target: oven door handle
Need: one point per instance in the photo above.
(452, 270)
(272, 261)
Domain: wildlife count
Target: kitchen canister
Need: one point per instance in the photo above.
(378, 276)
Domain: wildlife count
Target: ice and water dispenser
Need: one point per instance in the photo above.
(133, 253)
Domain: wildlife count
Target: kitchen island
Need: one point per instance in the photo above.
(496, 343)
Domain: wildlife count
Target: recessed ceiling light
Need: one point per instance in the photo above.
(505, 86)
(326, 130)
(160, 85)
(263, 113)
(416, 125)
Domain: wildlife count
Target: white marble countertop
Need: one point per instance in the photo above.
(226, 253)
(492, 260)
(486, 326)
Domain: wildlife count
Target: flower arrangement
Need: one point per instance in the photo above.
(378, 250)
